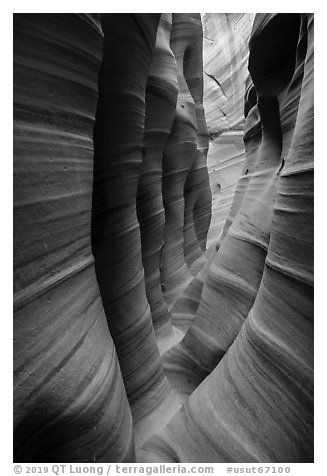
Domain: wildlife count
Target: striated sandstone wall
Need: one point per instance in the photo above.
(100, 95)
(225, 43)
(252, 336)
(68, 387)
(158, 347)
(226, 37)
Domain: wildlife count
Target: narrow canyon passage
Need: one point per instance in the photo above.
(163, 238)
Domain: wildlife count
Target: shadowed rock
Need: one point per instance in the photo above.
(180, 344)
(264, 382)
(68, 388)
(161, 95)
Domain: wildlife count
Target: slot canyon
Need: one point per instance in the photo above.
(163, 237)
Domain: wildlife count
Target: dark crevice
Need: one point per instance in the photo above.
(217, 82)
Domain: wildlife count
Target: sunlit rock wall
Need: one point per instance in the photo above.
(68, 387)
(225, 55)
(133, 349)
(247, 359)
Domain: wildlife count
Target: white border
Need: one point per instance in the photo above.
(320, 194)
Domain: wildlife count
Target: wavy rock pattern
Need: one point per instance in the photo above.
(264, 382)
(186, 193)
(226, 54)
(176, 343)
(129, 43)
(226, 38)
(161, 95)
(68, 386)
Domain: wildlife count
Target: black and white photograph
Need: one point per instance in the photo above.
(163, 242)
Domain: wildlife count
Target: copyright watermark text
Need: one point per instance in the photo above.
(113, 469)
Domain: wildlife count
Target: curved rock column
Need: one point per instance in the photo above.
(187, 304)
(160, 106)
(252, 126)
(129, 41)
(197, 193)
(261, 393)
(179, 154)
(252, 138)
(236, 271)
(68, 388)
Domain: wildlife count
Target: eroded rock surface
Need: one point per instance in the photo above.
(140, 333)
(226, 37)
(253, 332)
(68, 386)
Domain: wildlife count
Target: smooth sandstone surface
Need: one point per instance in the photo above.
(186, 194)
(128, 51)
(260, 394)
(225, 44)
(68, 387)
(161, 95)
(163, 238)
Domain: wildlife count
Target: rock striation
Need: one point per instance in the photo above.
(257, 335)
(143, 332)
(68, 386)
(116, 241)
(186, 192)
(226, 37)
(161, 95)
